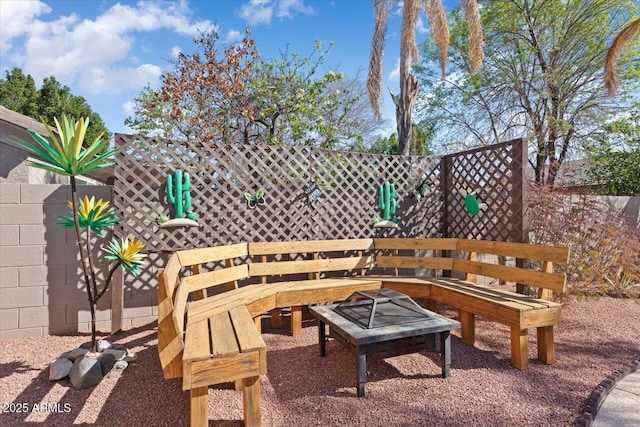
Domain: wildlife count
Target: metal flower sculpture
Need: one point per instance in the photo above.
(66, 155)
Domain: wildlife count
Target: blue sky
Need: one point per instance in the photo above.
(107, 51)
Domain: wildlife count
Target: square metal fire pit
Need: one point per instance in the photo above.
(380, 307)
(383, 323)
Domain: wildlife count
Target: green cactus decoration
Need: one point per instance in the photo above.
(178, 194)
(387, 201)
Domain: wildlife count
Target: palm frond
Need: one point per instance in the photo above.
(65, 155)
(374, 80)
(439, 29)
(408, 44)
(620, 42)
(475, 51)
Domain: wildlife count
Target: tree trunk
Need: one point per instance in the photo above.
(404, 111)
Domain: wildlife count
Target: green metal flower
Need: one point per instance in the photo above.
(127, 252)
(65, 155)
(91, 214)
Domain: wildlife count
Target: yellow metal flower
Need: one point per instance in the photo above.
(127, 252)
(92, 214)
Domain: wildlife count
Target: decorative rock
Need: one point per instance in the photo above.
(120, 365)
(131, 356)
(103, 345)
(117, 354)
(85, 372)
(106, 362)
(60, 368)
(76, 353)
(118, 347)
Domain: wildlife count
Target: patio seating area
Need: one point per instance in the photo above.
(194, 342)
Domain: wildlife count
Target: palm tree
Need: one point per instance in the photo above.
(406, 99)
(620, 42)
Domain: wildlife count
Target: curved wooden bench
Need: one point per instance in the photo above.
(209, 328)
(515, 310)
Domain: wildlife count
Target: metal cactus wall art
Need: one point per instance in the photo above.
(177, 188)
(387, 202)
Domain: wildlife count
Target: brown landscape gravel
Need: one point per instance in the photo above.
(597, 336)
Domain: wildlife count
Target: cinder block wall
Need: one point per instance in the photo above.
(41, 286)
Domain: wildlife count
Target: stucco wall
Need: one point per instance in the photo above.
(41, 289)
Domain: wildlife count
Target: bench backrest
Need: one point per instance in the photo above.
(441, 259)
(199, 282)
(321, 256)
(173, 294)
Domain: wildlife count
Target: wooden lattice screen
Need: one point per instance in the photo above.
(496, 174)
(222, 173)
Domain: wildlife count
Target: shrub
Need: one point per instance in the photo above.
(604, 249)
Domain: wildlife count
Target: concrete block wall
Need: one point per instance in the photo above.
(41, 286)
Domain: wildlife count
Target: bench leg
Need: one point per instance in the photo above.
(258, 321)
(432, 305)
(276, 318)
(468, 324)
(546, 347)
(199, 407)
(251, 402)
(519, 348)
(296, 320)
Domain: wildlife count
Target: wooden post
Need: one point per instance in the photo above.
(520, 182)
(546, 347)
(468, 326)
(296, 320)
(519, 348)
(546, 294)
(202, 293)
(117, 300)
(199, 407)
(251, 402)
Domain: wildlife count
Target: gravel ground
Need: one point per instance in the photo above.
(596, 337)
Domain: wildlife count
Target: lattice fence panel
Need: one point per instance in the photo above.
(495, 175)
(221, 174)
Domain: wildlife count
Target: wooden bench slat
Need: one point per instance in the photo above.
(447, 244)
(223, 338)
(555, 282)
(171, 274)
(427, 263)
(217, 253)
(202, 281)
(197, 341)
(309, 266)
(512, 299)
(307, 292)
(224, 302)
(275, 248)
(249, 339)
(517, 250)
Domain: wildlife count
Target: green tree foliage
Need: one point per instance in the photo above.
(18, 93)
(613, 160)
(541, 78)
(238, 97)
(153, 116)
(422, 136)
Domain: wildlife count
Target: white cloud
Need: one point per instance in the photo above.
(175, 51)
(286, 6)
(97, 54)
(233, 36)
(118, 79)
(129, 108)
(257, 12)
(15, 19)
